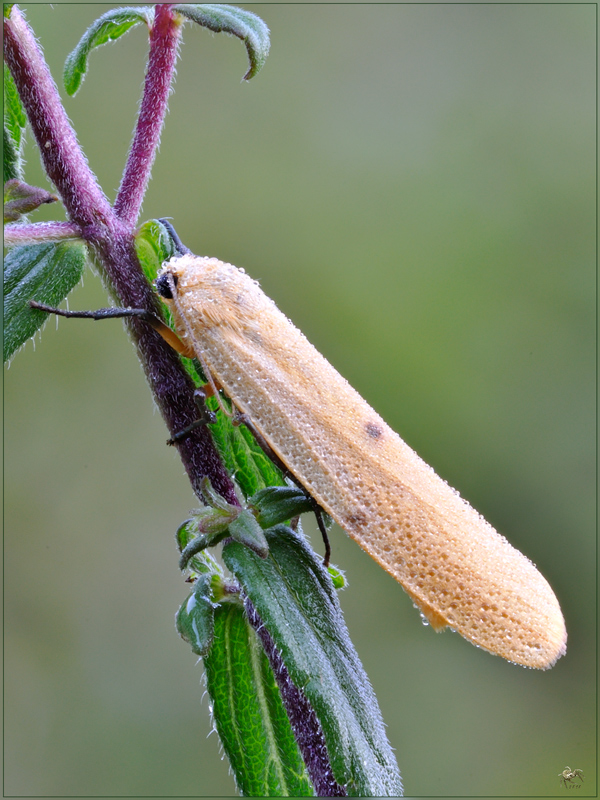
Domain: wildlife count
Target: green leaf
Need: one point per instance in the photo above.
(203, 561)
(246, 530)
(297, 603)
(11, 161)
(195, 619)
(338, 577)
(217, 501)
(248, 713)
(108, 27)
(212, 523)
(14, 113)
(7, 9)
(215, 521)
(277, 504)
(153, 246)
(14, 123)
(236, 21)
(243, 458)
(42, 272)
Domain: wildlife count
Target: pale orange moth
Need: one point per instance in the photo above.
(454, 566)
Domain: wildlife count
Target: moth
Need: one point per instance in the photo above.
(457, 569)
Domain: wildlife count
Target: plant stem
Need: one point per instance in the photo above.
(61, 154)
(112, 243)
(34, 233)
(110, 235)
(164, 40)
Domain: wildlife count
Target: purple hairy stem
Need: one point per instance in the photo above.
(63, 158)
(305, 725)
(164, 40)
(112, 239)
(36, 232)
(172, 387)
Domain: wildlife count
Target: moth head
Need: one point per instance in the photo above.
(165, 283)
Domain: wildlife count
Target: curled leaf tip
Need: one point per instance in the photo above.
(108, 27)
(236, 21)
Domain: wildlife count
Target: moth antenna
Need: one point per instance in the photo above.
(179, 245)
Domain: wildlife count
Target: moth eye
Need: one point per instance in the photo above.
(163, 285)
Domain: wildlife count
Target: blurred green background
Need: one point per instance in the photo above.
(414, 185)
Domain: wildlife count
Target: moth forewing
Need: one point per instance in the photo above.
(456, 568)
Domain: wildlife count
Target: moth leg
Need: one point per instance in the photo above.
(159, 326)
(240, 419)
(318, 512)
(207, 417)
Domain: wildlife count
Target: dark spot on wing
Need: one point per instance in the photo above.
(375, 431)
(358, 518)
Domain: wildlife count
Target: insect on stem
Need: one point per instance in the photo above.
(455, 567)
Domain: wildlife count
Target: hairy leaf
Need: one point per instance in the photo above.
(236, 21)
(246, 530)
(248, 712)
(14, 113)
(195, 619)
(14, 124)
(42, 272)
(277, 504)
(203, 561)
(11, 161)
(338, 577)
(153, 246)
(243, 458)
(107, 28)
(297, 603)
